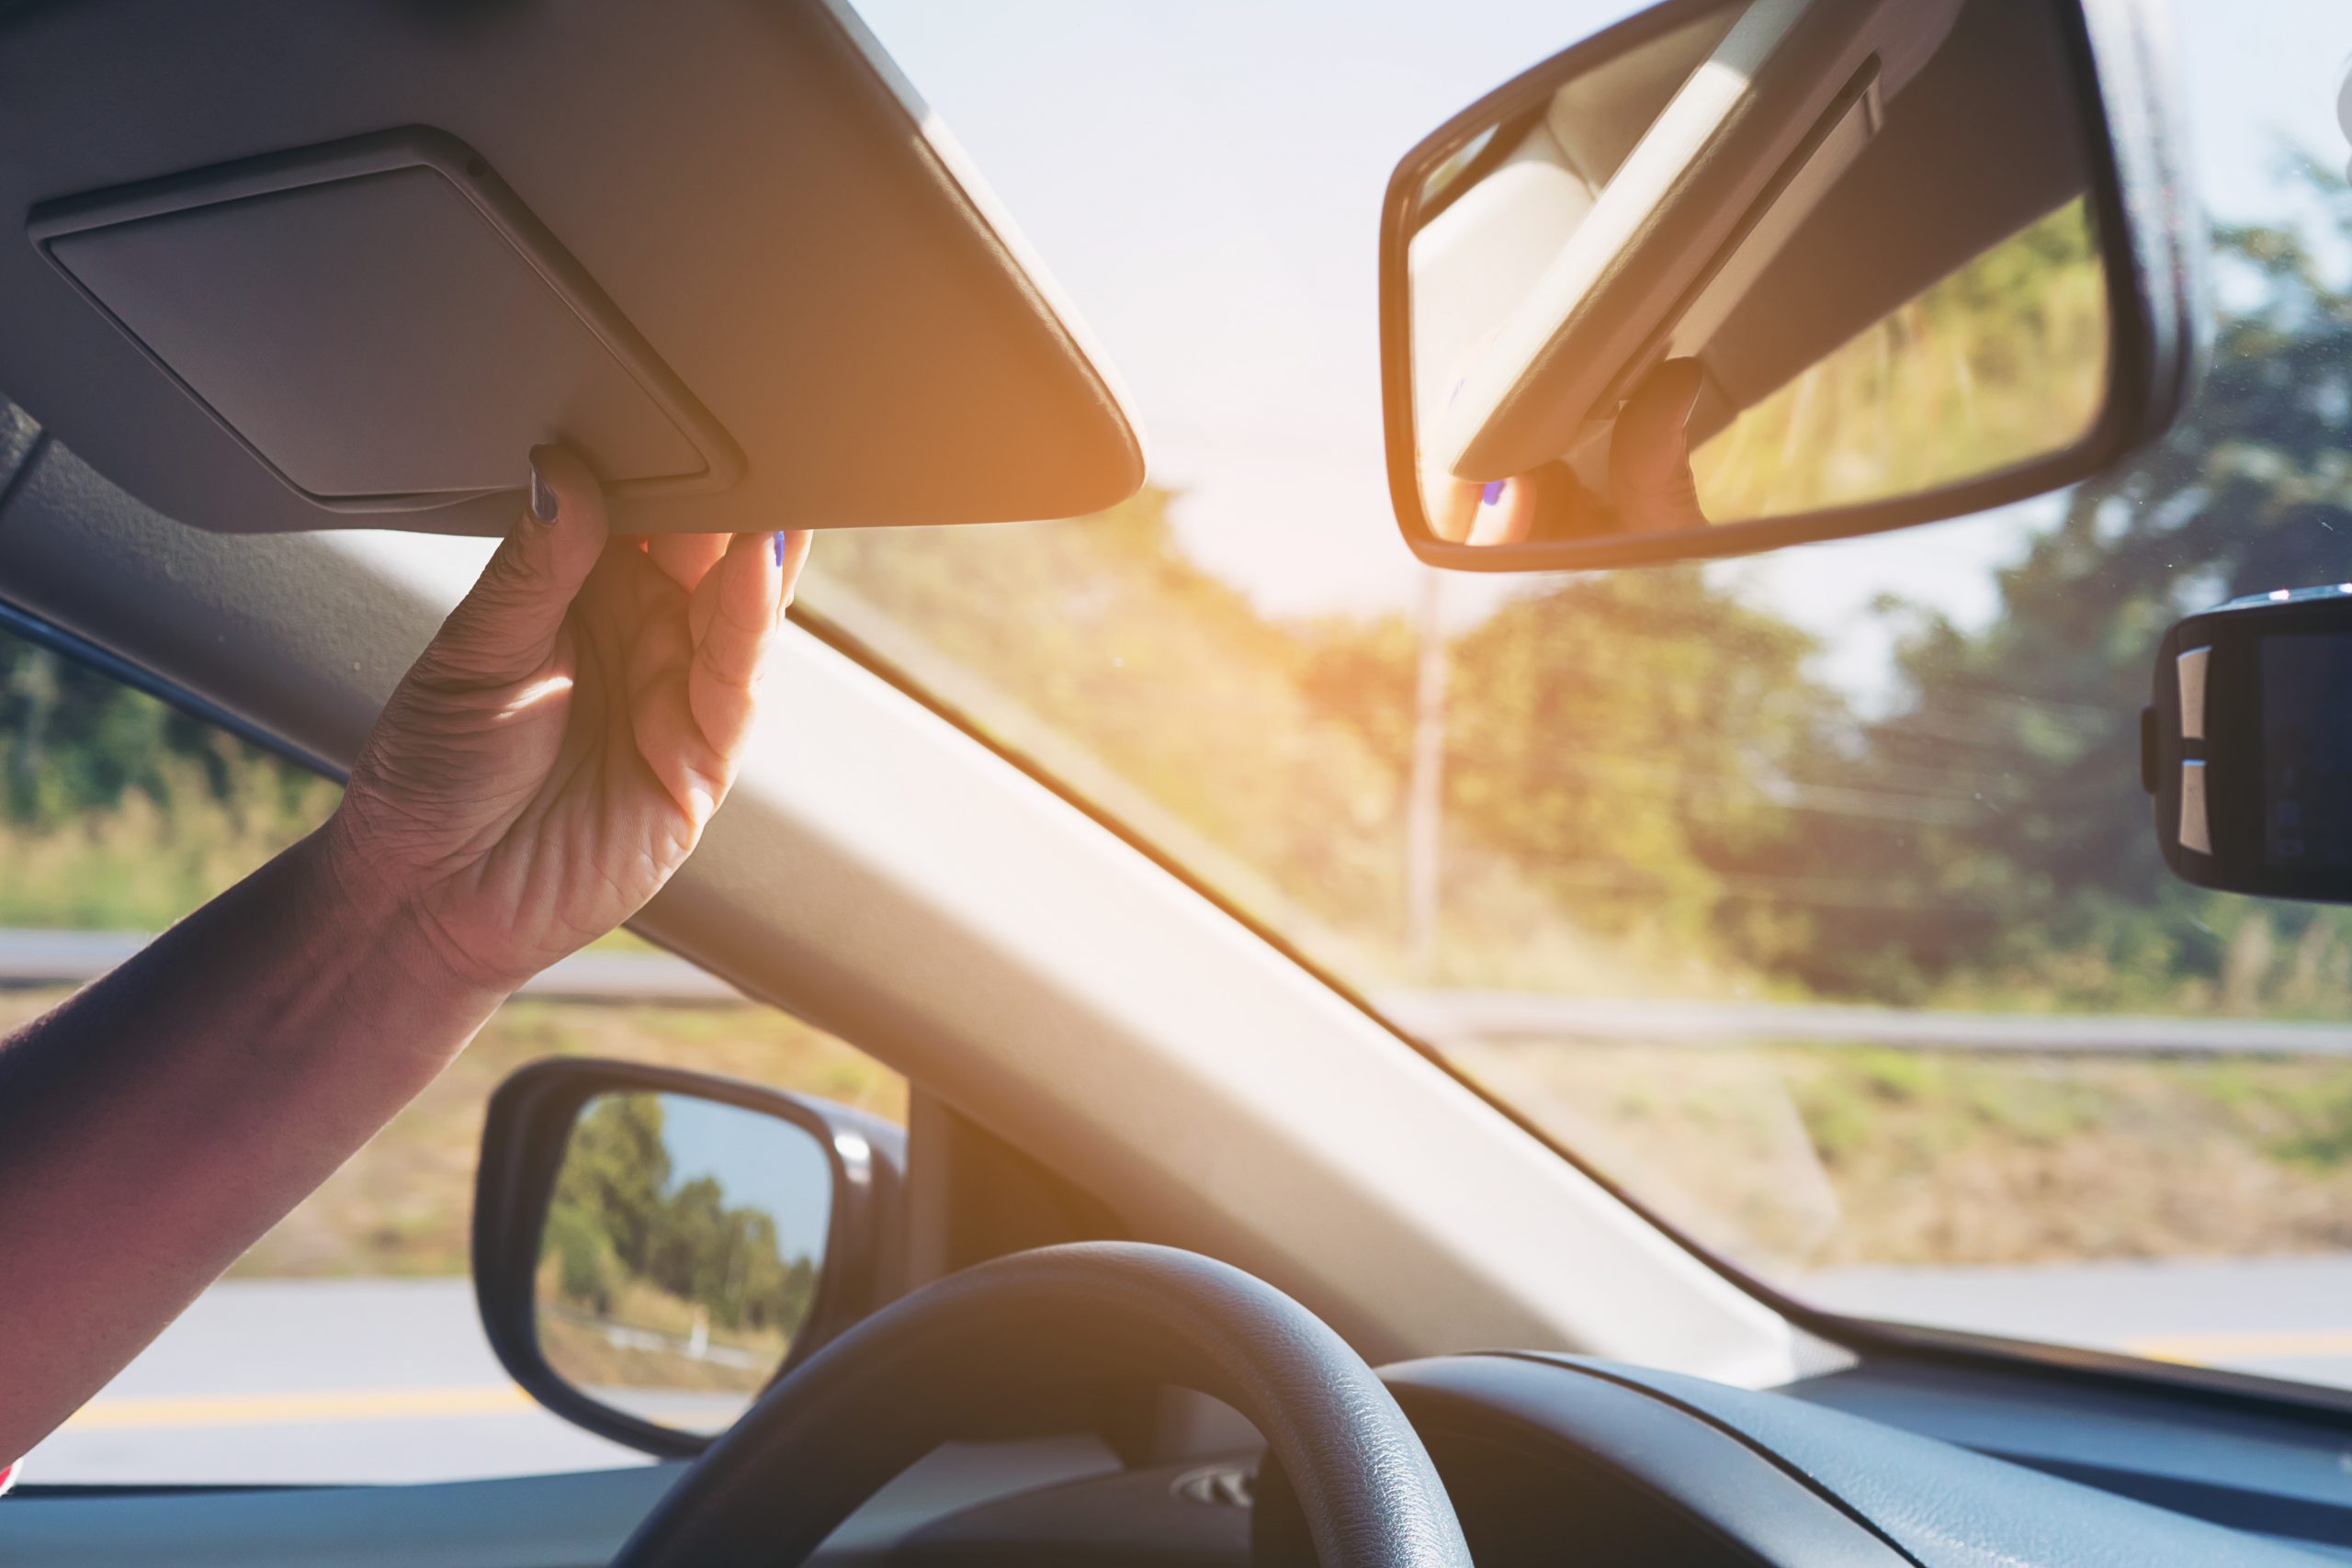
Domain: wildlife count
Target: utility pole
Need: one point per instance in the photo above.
(1425, 789)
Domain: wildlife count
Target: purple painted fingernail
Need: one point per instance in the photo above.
(778, 542)
(543, 501)
(1492, 492)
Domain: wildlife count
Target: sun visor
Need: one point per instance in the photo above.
(721, 251)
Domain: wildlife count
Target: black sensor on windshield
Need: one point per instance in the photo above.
(2247, 746)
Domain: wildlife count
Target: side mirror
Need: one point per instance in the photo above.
(653, 1247)
(1739, 274)
(2247, 747)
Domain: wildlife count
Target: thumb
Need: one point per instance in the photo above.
(505, 627)
(1649, 452)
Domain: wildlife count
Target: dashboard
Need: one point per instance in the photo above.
(1550, 1459)
(1556, 1458)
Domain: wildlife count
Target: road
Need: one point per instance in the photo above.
(370, 1381)
(318, 1381)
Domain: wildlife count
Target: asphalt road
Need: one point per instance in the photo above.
(318, 1381)
(379, 1381)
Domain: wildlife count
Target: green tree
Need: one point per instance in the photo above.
(1634, 738)
(617, 1214)
(75, 741)
(2049, 878)
(614, 1179)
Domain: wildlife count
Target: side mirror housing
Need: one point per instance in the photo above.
(1740, 273)
(652, 1247)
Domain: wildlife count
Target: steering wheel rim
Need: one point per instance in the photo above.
(912, 1376)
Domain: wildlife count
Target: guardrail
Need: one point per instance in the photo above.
(74, 958)
(1443, 1017)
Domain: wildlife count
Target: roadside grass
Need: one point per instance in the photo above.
(575, 1340)
(402, 1204)
(1800, 1158)
(139, 865)
(1788, 1159)
(581, 1353)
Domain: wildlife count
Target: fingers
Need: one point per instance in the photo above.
(1464, 512)
(1506, 513)
(740, 599)
(692, 734)
(1649, 452)
(505, 627)
(686, 556)
(1450, 505)
(792, 548)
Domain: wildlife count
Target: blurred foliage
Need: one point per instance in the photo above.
(1651, 758)
(2001, 363)
(618, 1219)
(1613, 736)
(2043, 881)
(117, 811)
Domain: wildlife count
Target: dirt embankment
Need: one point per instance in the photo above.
(1797, 1157)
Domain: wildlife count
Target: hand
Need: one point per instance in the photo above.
(1651, 489)
(556, 753)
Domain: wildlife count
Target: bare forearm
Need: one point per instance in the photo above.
(538, 774)
(155, 1124)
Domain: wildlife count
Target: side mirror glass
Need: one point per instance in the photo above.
(2246, 749)
(652, 1248)
(680, 1253)
(1737, 273)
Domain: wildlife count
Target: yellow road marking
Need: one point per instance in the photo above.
(2257, 1344)
(329, 1406)
(281, 1409)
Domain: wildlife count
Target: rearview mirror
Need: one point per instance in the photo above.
(1737, 273)
(2246, 750)
(652, 1247)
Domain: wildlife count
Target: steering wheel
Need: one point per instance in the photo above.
(825, 1438)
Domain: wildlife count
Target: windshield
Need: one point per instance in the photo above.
(1810, 899)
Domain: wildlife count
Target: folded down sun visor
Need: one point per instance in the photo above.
(721, 251)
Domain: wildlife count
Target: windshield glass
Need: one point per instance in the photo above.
(1811, 899)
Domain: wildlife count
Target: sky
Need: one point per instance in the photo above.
(1203, 178)
(757, 1160)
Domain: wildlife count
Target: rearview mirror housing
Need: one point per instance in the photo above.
(1679, 291)
(652, 1247)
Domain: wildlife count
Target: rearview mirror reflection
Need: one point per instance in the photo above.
(1825, 266)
